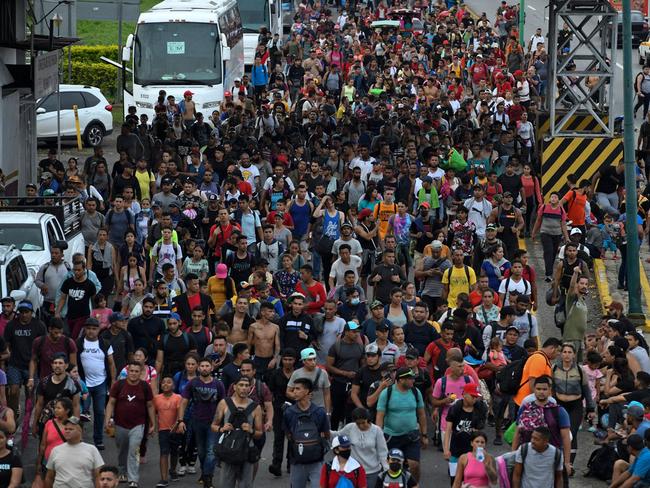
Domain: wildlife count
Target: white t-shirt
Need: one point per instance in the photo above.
(74, 465)
(522, 286)
(93, 360)
(366, 166)
(268, 184)
(339, 268)
(166, 253)
(527, 325)
(250, 174)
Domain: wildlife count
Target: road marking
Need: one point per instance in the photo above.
(619, 65)
(601, 283)
(645, 288)
(532, 8)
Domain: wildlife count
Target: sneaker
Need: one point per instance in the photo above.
(181, 470)
(122, 478)
(191, 469)
(173, 476)
(162, 484)
(133, 484)
(548, 279)
(85, 417)
(275, 470)
(207, 482)
(100, 446)
(498, 441)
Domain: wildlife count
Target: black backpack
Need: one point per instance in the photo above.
(307, 444)
(601, 463)
(236, 446)
(509, 378)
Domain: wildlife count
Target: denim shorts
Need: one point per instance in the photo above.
(17, 376)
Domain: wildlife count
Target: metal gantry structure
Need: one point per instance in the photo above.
(581, 68)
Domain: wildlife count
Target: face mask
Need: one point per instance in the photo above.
(395, 467)
(344, 454)
(355, 301)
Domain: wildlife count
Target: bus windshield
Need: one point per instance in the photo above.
(254, 14)
(177, 53)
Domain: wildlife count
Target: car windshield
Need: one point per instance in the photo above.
(24, 237)
(254, 15)
(177, 53)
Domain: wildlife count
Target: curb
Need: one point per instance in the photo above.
(603, 287)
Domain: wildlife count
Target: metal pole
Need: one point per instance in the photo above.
(120, 88)
(70, 46)
(522, 15)
(632, 258)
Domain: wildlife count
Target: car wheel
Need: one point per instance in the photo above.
(94, 135)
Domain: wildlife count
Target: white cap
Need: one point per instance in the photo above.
(576, 230)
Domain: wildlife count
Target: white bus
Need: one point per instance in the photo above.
(181, 45)
(256, 14)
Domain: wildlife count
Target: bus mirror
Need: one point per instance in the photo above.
(126, 54)
(225, 53)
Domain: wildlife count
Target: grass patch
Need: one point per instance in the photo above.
(93, 32)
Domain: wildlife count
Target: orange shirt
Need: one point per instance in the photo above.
(167, 410)
(537, 365)
(576, 207)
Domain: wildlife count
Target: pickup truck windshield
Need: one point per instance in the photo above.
(24, 237)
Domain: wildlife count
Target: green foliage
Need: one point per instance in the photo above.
(101, 75)
(91, 54)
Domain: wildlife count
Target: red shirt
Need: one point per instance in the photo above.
(315, 294)
(476, 297)
(131, 403)
(479, 71)
(514, 112)
(287, 220)
(223, 235)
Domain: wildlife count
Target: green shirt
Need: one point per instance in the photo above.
(402, 412)
(576, 318)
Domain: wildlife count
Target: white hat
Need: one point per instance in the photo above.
(576, 230)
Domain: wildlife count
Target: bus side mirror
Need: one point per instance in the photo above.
(225, 50)
(126, 50)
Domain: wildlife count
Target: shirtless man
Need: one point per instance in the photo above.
(239, 321)
(188, 109)
(264, 339)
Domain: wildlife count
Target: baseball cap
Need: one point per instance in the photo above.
(396, 454)
(308, 353)
(427, 179)
(295, 295)
(425, 205)
(116, 317)
(375, 304)
(25, 305)
(364, 213)
(436, 244)
(507, 194)
(636, 412)
(227, 93)
(222, 271)
(351, 325)
(166, 181)
(213, 197)
(49, 193)
(72, 420)
(91, 322)
(491, 227)
(187, 93)
(472, 390)
(46, 175)
(346, 224)
(412, 353)
(635, 441)
(174, 315)
(575, 230)
(512, 327)
(382, 328)
(405, 372)
(31, 185)
(372, 349)
(341, 441)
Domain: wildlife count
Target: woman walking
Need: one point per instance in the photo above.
(551, 224)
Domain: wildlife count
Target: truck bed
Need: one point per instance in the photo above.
(68, 213)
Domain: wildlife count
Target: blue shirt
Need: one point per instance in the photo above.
(402, 411)
(641, 466)
(643, 426)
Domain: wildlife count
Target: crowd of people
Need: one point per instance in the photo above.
(332, 260)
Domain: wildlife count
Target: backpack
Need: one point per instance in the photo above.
(158, 245)
(441, 365)
(447, 274)
(526, 284)
(109, 217)
(506, 462)
(186, 339)
(601, 463)
(70, 389)
(509, 377)
(443, 385)
(236, 446)
(307, 446)
(533, 416)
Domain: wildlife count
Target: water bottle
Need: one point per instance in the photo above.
(480, 455)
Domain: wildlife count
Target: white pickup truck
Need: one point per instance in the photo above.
(644, 52)
(33, 229)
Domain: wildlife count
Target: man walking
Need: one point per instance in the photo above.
(129, 404)
(538, 463)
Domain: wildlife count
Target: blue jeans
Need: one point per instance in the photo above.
(205, 441)
(98, 395)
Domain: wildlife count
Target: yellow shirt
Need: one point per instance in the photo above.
(144, 180)
(217, 291)
(383, 212)
(456, 278)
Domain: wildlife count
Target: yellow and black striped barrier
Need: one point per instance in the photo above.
(577, 123)
(581, 156)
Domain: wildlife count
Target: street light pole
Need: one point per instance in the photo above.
(522, 19)
(632, 257)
